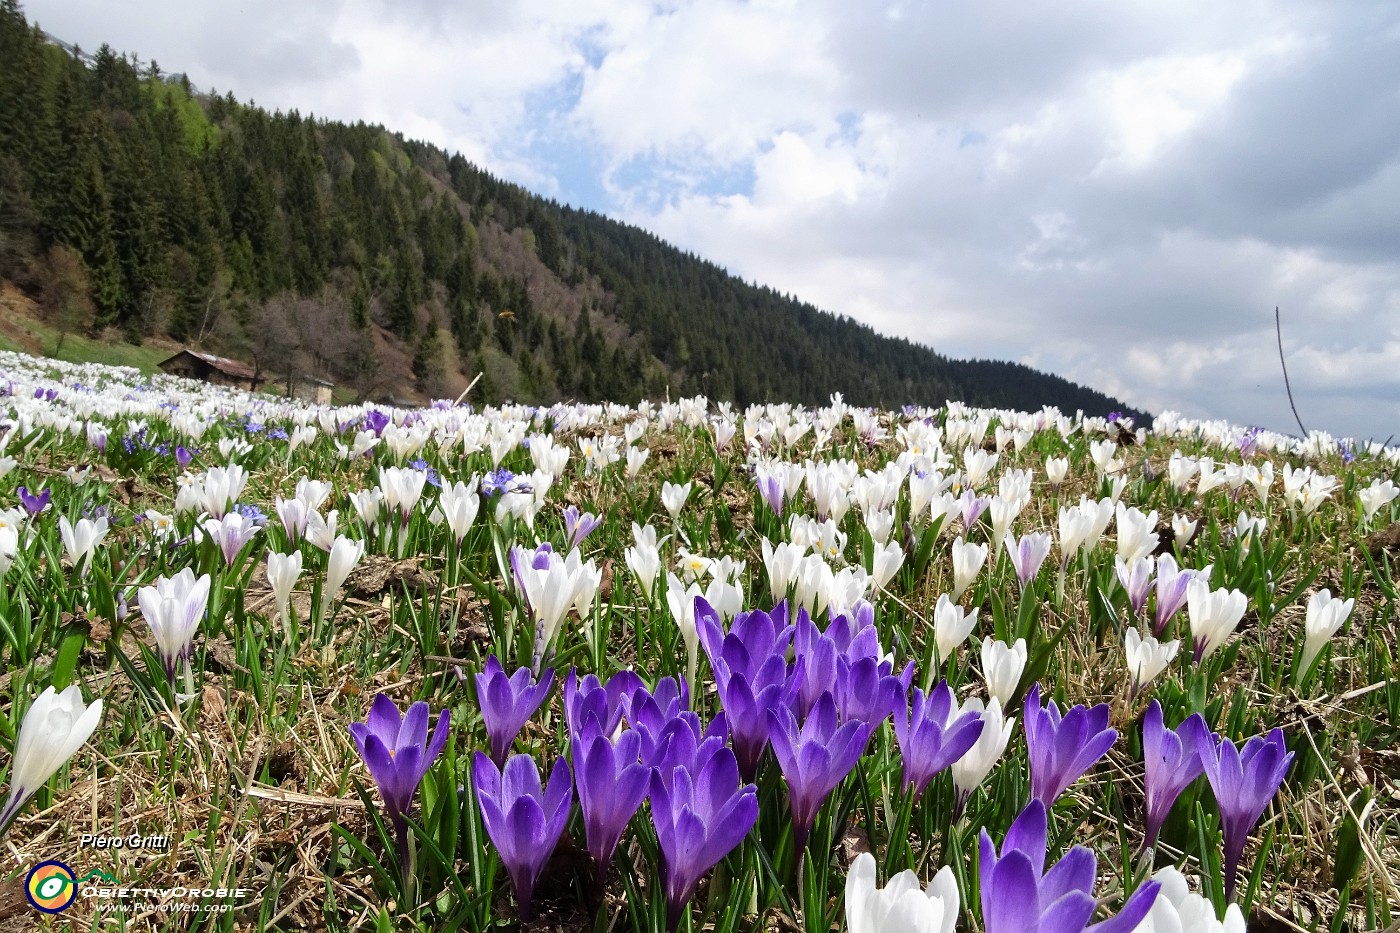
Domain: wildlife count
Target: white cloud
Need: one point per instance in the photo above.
(1120, 193)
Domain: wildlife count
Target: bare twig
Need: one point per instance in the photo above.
(1278, 329)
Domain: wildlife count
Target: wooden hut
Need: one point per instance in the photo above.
(217, 370)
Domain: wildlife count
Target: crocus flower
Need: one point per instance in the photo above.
(701, 814)
(1002, 666)
(80, 540)
(1146, 657)
(459, 503)
(932, 735)
(345, 553)
(282, 573)
(814, 758)
(1136, 579)
(1244, 781)
(901, 906)
(1062, 748)
(612, 783)
(771, 488)
(1178, 910)
(1137, 534)
(593, 708)
(54, 728)
(967, 561)
(397, 751)
(1020, 896)
(34, 503)
(578, 526)
(644, 558)
(1172, 585)
(951, 626)
(507, 703)
(1326, 614)
(523, 819)
(673, 497)
(172, 608)
(972, 768)
(231, 533)
(751, 674)
(1028, 554)
(1214, 614)
(1172, 760)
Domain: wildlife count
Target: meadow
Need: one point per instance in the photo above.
(680, 666)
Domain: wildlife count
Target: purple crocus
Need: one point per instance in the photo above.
(815, 758)
(973, 506)
(751, 674)
(612, 783)
(770, 486)
(701, 814)
(1028, 554)
(1172, 760)
(928, 740)
(507, 703)
(1063, 748)
(1020, 896)
(34, 502)
(577, 527)
(1172, 583)
(397, 751)
(593, 708)
(1137, 581)
(1244, 781)
(523, 819)
(183, 457)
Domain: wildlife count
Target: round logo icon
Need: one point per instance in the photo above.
(51, 887)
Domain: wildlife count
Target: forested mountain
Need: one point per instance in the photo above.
(130, 202)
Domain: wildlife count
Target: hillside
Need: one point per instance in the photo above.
(132, 204)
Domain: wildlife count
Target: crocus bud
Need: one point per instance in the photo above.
(54, 728)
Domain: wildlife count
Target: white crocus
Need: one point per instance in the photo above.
(1215, 614)
(1137, 535)
(54, 728)
(1326, 614)
(972, 768)
(783, 564)
(9, 547)
(1177, 910)
(1076, 524)
(173, 608)
(81, 540)
(1002, 666)
(644, 557)
(1147, 657)
(901, 906)
(460, 503)
(967, 561)
(1376, 496)
(1056, 469)
(951, 626)
(1183, 529)
(888, 558)
(282, 573)
(345, 554)
(673, 497)
(681, 601)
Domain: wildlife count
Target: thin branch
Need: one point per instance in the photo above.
(1278, 329)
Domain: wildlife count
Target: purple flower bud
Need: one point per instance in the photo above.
(1063, 749)
(1244, 781)
(928, 740)
(701, 814)
(815, 758)
(1172, 761)
(523, 819)
(34, 503)
(507, 703)
(1019, 895)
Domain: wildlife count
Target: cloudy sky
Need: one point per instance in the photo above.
(1117, 192)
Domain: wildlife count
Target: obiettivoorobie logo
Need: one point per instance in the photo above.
(52, 886)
